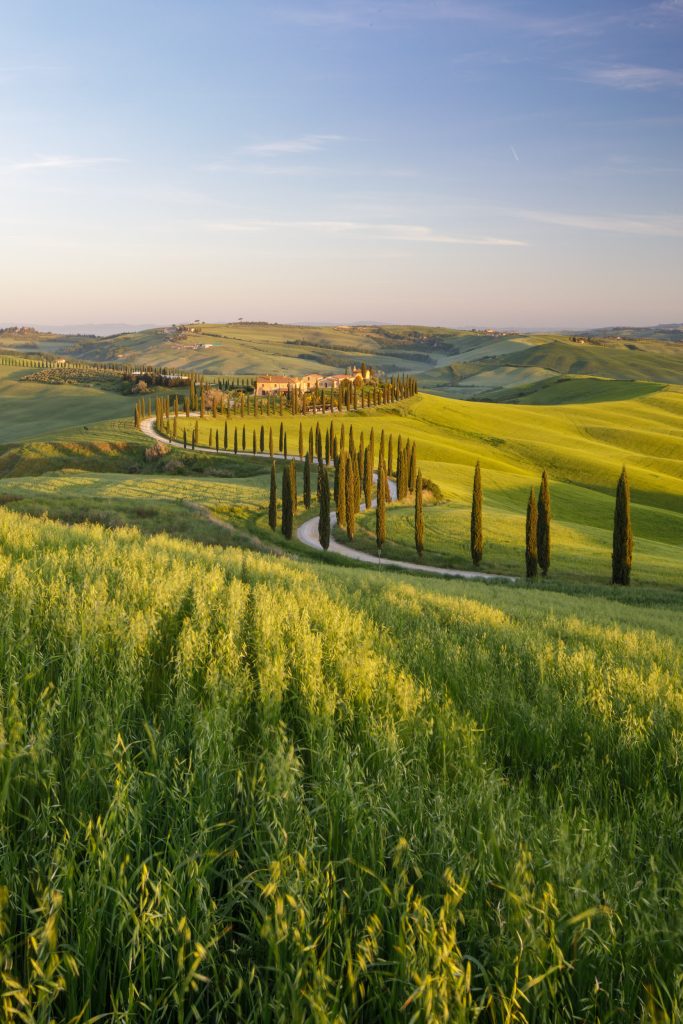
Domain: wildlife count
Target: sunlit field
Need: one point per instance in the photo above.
(237, 788)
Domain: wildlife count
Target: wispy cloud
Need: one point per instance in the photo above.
(285, 147)
(651, 225)
(47, 163)
(360, 14)
(361, 229)
(634, 76)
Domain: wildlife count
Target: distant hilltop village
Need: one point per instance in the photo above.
(272, 384)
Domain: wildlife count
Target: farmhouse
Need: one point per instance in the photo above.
(334, 380)
(273, 385)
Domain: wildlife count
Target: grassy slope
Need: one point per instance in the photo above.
(32, 410)
(294, 793)
(245, 349)
(583, 448)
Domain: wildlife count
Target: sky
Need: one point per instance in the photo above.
(474, 163)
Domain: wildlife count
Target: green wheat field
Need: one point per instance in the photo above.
(244, 781)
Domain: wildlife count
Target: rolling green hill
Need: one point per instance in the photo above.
(237, 787)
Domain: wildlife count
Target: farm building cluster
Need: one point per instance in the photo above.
(271, 384)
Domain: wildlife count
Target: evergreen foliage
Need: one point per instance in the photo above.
(324, 498)
(272, 504)
(341, 489)
(307, 480)
(380, 509)
(622, 542)
(543, 532)
(419, 516)
(476, 526)
(350, 463)
(287, 503)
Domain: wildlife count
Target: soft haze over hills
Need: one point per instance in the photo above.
(412, 162)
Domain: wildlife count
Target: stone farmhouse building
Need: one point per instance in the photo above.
(273, 384)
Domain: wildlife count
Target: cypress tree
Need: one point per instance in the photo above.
(476, 530)
(390, 457)
(295, 500)
(287, 507)
(225, 436)
(307, 481)
(324, 497)
(270, 441)
(282, 431)
(272, 506)
(253, 442)
(341, 490)
(380, 510)
(336, 481)
(399, 473)
(350, 498)
(244, 439)
(234, 441)
(622, 542)
(531, 537)
(285, 446)
(262, 439)
(412, 468)
(543, 531)
(367, 478)
(184, 438)
(301, 440)
(419, 517)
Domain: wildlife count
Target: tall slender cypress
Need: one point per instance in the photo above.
(622, 542)
(367, 477)
(380, 510)
(476, 529)
(282, 432)
(287, 507)
(307, 480)
(350, 497)
(419, 516)
(341, 490)
(272, 506)
(531, 537)
(295, 499)
(324, 496)
(301, 440)
(543, 531)
(412, 468)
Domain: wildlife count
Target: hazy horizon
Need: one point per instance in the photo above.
(434, 163)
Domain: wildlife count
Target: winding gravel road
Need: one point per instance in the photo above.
(308, 531)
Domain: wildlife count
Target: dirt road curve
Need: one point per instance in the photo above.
(308, 531)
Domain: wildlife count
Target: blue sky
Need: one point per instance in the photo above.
(425, 161)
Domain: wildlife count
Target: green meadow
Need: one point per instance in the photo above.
(582, 447)
(240, 788)
(31, 410)
(242, 781)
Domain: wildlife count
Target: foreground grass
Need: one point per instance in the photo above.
(233, 788)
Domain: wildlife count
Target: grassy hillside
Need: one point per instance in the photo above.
(250, 348)
(526, 372)
(234, 788)
(31, 410)
(583, 448)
